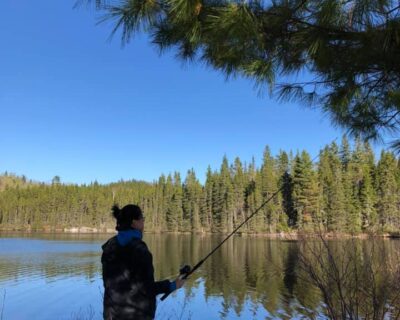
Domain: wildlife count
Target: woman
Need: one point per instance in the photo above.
(128, 274)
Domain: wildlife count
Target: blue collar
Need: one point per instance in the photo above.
(125, 236)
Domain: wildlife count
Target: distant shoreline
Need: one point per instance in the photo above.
(294, 235)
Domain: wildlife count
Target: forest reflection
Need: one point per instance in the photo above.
(267, 272)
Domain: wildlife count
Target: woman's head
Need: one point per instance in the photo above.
(130, 216)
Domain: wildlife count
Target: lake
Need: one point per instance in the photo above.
(58, 276)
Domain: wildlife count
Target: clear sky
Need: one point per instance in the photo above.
(76, 105)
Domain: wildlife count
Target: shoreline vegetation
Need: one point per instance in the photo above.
(347, 191)
(280, 235)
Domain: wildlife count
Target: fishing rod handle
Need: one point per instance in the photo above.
(184, 273)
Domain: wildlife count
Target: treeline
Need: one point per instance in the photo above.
(9, 180)
(346, 190)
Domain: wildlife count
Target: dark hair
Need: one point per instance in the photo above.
(126, 215)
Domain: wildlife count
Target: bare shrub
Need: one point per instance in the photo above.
(357, 279)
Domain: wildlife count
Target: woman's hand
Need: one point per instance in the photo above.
(179, 282)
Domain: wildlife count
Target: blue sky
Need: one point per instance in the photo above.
(76, 105)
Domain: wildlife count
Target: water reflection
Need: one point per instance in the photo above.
(247, 278)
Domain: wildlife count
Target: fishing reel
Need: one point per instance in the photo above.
(183, 274)
(184, 271)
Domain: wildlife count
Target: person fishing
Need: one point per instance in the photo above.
(128, 274)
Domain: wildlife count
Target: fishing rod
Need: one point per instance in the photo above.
(186, 270)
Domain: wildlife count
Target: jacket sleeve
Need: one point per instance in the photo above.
(157, 287)
(163, 286)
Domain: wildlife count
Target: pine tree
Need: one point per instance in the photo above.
(226, 199)
(207, 201)
(305, 191)
(191, 201)
(350, 48)
(355, 173)
(367, 200)
(345, 152)
(253, 198)
(287, 217)
(171, 203)
(268, 182)
(239, 184)
(332, 196)
(350, 191)
(367, 191)
(388, 192)
(178, 200)
(217, 204)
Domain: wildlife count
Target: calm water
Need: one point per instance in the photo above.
(59, 277)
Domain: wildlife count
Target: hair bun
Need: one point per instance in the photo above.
(126, 215)
(116, 211)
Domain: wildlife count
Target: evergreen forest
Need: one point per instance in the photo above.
(345, 190)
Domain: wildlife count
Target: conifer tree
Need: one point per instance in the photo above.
(253, 198)
(350, 48)
(207, 200)
(168, 196)
(178, 200)
(286, 218)
(305, 191)
(350, 191)
(345, 152)
(355, 174)
(239, 185)
(330, 178)
(268, 184)
(191, 201)
(217, 203)
(226, 196)
(388, 192)
(367, 191)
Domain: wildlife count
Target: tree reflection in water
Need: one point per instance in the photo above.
(339, 279)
